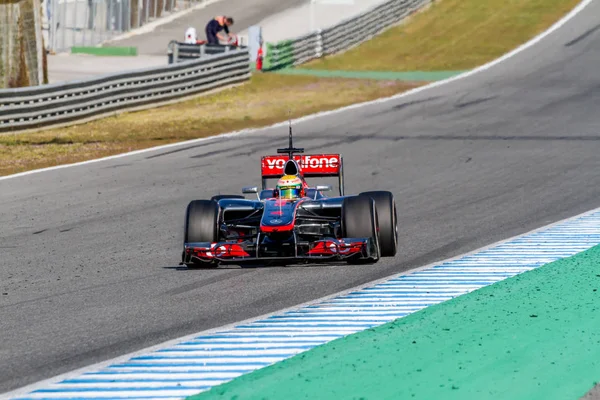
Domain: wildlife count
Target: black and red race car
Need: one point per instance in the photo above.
(230, 229)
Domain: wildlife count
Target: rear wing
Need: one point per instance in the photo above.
(311, 166)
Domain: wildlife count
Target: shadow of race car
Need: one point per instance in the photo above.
(314, 228)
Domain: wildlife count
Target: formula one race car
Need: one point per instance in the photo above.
(278, 227)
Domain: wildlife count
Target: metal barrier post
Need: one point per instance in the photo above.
(101, 26)
(121, 16)
(312, 17)
(175, 52)
(105, 25)
(147, 8)
(319, 44)
(107, 19)
(85, 26)
(53, 21)
(62, 23)
(139, 13)
(74, 29)
(92, 20)
(129, 15)
(110, 18)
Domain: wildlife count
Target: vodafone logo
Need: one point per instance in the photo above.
(306, 162)
(275, 163)
(320, 162)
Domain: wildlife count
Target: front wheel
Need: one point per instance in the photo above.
(359, 220)
(388, 222)
(201, 225)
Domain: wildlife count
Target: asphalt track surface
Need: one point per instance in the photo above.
(245, 13)
(89, 254)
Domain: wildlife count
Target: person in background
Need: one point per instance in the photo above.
(216, 25)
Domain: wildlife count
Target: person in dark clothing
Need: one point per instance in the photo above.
(217, 25)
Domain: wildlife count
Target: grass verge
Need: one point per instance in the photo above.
(267, 99)
(450, 35)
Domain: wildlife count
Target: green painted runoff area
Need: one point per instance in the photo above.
(533, 336)
(105, 51)
(376, 75)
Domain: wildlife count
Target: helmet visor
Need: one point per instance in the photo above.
(289, 193)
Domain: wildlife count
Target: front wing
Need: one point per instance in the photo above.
(327, 249)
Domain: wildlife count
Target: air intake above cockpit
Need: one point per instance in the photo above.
(291, 168)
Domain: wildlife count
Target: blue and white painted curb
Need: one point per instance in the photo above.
(195, 364)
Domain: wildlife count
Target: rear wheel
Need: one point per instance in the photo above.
(359, 220)
(201, 225)
(388, 225)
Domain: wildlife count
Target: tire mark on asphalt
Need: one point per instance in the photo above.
(407, 104)
(198, 166)
(118, 166)
(218, 152)
(355, 138)
(583, 36)
(195, 146)
(474, 102)
(223, 276)
(346, 140)
(578, 138)
(84, 289)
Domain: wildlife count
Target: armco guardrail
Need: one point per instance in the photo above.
(71, 102)
(178, 52)
(339, 37)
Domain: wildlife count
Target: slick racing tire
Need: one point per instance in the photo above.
(359, 220)
(388, 222)
(201, 224)
(226, 196)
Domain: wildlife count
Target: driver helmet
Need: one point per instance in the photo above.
(289, 187)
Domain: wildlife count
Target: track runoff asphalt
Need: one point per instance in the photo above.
(90, 253)
(245, 13)
(152, 45)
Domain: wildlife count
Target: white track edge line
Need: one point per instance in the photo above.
(535, 40)
(75, 373)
